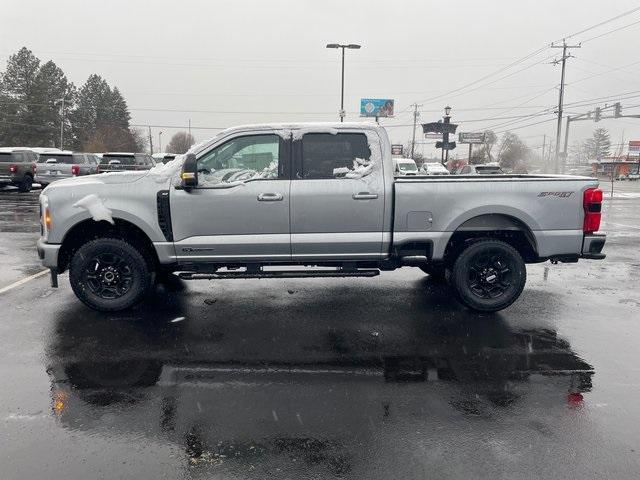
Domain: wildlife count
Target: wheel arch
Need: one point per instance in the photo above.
(88, 229)
(499, 226)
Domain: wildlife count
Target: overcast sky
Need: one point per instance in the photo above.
(223, 63)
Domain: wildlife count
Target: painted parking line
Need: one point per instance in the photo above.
(23, 281)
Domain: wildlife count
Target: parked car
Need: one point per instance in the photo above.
(17, 167)
(54, 166)
(404, 166)
(164, 157)
(119, 161)
(321, 195)
(480, 170)
(435, 168)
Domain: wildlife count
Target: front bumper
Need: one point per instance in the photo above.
(48, 253)
(592, 245)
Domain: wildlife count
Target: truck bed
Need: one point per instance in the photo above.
(549, 206)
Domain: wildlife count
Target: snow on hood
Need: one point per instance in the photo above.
(98, 179)
(96, 208)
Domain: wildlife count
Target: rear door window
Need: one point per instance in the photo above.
(325, 155)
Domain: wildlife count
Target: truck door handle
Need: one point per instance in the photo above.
(270, 197)
(365, 196)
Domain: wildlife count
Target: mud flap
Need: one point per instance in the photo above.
(54, 277)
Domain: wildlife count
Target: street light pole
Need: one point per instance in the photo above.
(343, 47)
(62, 124)
(159, 141)
(342, 90)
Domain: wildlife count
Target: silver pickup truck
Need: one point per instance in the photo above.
(310, 200)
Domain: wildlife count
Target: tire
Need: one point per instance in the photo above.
(26, 184)
(109, 274)
(488, 276)
(437, 273)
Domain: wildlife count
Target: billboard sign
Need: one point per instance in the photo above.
(376, 107)
(466, 137)
(634, 148)
(396, 149)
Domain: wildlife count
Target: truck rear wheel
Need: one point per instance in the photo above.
(109, 274)
(488, 275)
(26, 184)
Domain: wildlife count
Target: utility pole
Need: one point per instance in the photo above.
(563, 61)
(566, 141)
(544, 148)
(189, 127)
(62, 124)
(150, 140)
(416, 114)
(159, 142)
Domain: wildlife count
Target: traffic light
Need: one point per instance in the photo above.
(597, 116)
(617, 112)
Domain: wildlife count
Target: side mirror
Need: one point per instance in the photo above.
(189, 173)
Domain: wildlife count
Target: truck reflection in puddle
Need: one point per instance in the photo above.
(337, 396)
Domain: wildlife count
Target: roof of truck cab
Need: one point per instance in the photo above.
(122, 153)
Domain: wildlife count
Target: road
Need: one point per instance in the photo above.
(316, 378)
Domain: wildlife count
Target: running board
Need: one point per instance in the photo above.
(279, 274)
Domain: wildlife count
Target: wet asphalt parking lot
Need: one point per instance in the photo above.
(323, 378)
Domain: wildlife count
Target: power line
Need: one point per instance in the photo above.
(623, 14)
(611, 31)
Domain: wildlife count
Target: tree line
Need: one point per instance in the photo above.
(37, 101)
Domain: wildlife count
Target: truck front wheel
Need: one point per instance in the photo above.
(109, 274)
(488, 275)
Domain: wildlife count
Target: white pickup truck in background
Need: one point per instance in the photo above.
(257, 199)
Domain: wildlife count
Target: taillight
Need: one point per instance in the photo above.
(592, 203)
(98, 169)
(33, 167)
(13, 168)
(75, 169)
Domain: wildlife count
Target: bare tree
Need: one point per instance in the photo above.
(180, 142)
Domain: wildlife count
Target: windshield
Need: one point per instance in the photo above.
(55, 158)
